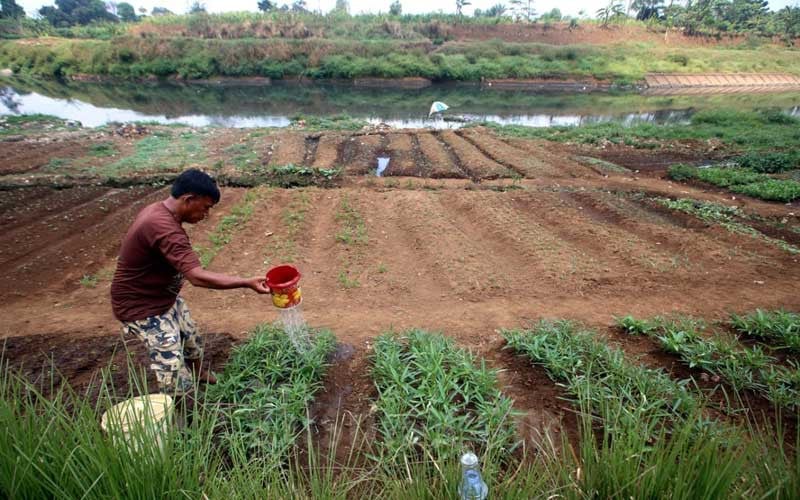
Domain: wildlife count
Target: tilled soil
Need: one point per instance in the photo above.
(452, 255)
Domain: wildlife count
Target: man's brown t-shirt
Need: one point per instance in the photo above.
(154, 257)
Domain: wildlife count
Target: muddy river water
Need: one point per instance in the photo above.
(275, 105)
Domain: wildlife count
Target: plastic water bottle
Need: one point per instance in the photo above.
(472, 485)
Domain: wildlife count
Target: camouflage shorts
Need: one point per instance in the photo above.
(170, 338)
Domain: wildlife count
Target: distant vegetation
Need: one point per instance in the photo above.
(290, 41)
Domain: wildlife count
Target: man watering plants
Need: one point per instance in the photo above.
(154, 259)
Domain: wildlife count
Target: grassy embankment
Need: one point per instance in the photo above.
(641, 433)
(203, 46)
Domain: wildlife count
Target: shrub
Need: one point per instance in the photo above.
(682, 172)
(769, 162)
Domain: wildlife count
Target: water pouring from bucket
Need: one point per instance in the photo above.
(284, 285)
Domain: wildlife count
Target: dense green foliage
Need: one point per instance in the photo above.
(340, 58)
(629, 445)
(753, 131)
(265, 391)
(433, 400)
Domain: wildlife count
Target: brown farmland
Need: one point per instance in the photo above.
(445, 248)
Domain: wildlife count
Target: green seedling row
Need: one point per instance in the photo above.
(578, 360)
(780, 327)
(643, 435)
(265, 390)
(740, 366)
(436, 402)
(222, 234)
(729, 217)
(353, 229)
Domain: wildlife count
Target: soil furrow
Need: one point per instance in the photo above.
(290, 149)
(20, 207)
(400, 151)
(23, 242)
(563, 164)
(472, 159)
(455, 258)
(312, 143)
(27, 156)
(327, 152)
(364, 156)
(61, 261)
(441, 161)
(526, 256)
(515, 159)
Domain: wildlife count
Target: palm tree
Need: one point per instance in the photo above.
(612, 10)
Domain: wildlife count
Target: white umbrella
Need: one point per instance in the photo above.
(438, 107)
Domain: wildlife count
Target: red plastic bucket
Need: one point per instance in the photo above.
(283, 282)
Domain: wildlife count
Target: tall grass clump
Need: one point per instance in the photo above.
(265, 390)
(435, 402)
(574, 358)
(52, 446)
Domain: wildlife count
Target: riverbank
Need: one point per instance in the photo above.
(369, 61)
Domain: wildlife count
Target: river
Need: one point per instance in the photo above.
(275, 105)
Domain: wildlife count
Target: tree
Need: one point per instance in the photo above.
(266, 5)
(647, 9)
(72, 12)
(396, 9)
(523, 9)
(126, 12)
(553, 15)
(10, 10)
(197, 7)
(160, 11)
(342, 6)
(460, 4)
(612, 10)
(299, 6)
(496, 10)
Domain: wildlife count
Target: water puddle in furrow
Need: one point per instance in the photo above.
(383, 164)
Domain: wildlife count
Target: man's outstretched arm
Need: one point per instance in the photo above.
(208, 279)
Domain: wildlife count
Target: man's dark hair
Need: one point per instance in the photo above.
(197, 182)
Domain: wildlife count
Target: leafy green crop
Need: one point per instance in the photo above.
(265, 390)
(741, 366)
(778, 326)
(434, 401)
